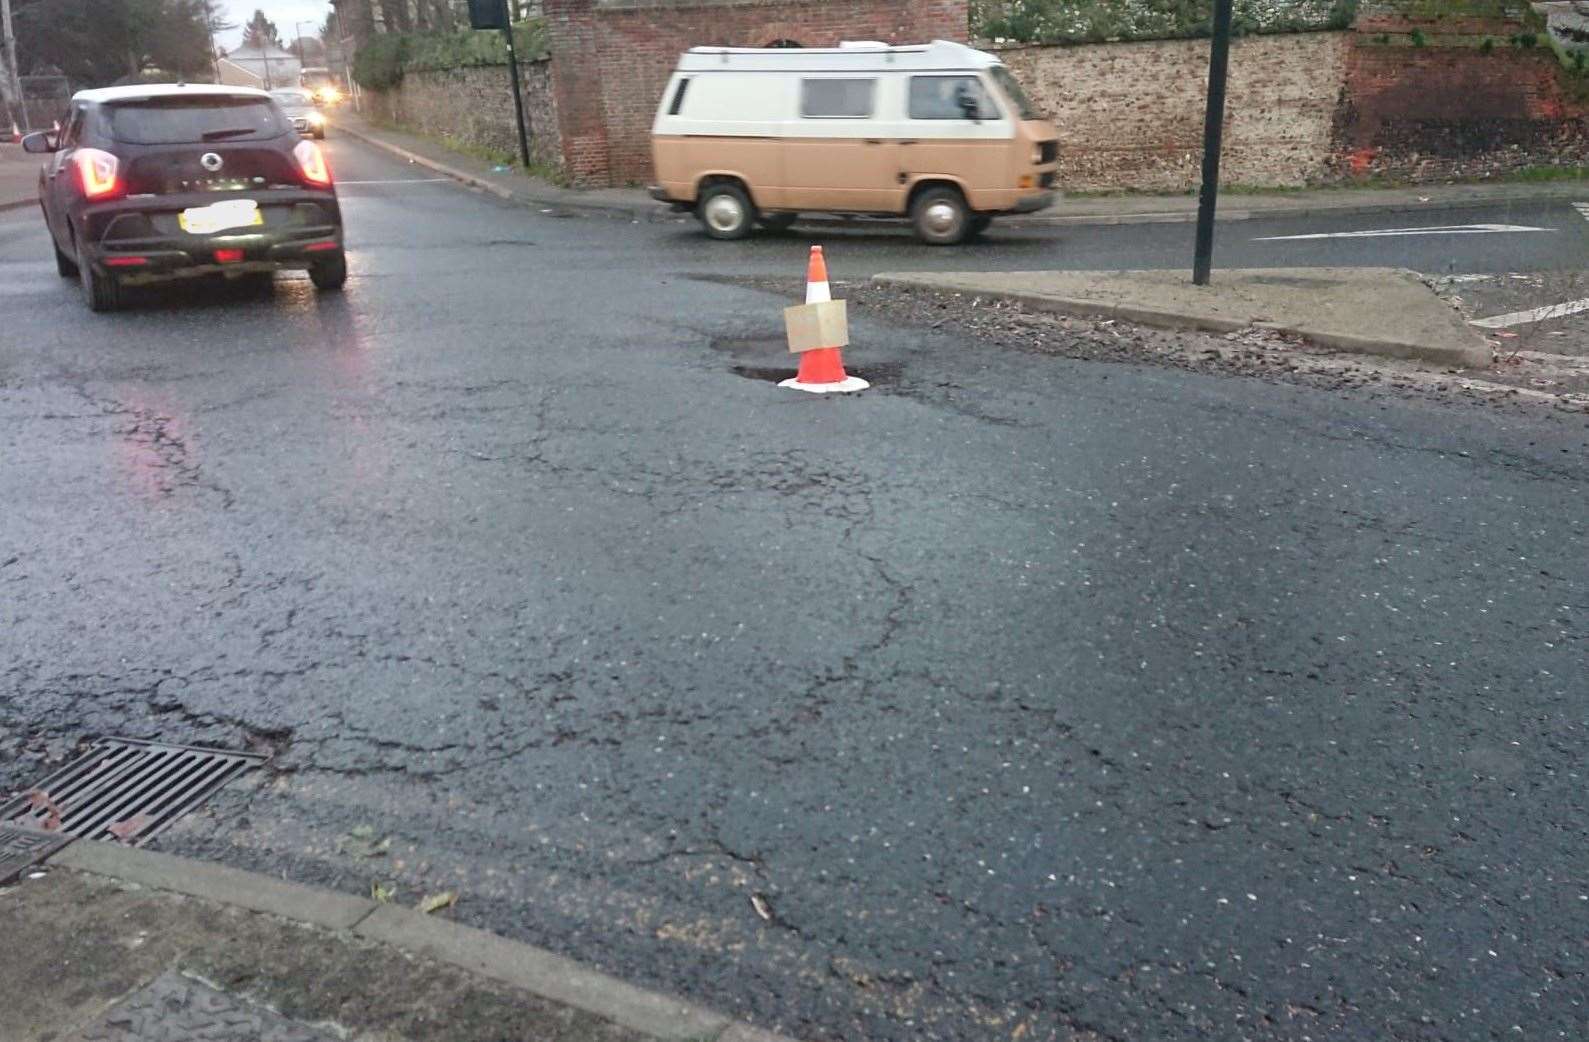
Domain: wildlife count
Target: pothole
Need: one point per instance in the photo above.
(766, 346)
(876, 374)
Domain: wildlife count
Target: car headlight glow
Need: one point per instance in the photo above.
(316, 118)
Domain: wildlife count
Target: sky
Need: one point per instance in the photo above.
(283, 12)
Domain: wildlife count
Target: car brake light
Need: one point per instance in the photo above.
(126, 262)
(228, 256)
(96, 173)
(312, 164)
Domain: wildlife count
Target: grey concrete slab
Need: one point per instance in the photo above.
(543, 973)
(217, 883)
(1368, 310)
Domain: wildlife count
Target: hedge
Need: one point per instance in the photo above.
(381, 63)
(1094, 21)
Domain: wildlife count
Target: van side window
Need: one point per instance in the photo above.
(950, 97)
(836, 99)
(678, 97)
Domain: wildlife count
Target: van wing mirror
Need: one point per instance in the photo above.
(40, 142)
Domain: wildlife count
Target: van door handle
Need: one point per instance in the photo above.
(874, 141)
(910, 142)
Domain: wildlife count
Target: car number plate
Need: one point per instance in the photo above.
(217, 217)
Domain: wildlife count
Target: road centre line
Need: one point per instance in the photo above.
(1447, 229)
(1521, 318)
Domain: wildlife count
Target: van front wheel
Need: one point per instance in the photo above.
(941, 216)
(725, 211)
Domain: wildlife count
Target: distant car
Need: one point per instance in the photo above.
(152, 183)
(299, 105)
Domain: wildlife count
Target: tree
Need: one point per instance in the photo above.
(260, 32)
(96, 42)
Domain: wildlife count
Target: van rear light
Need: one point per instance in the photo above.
(312, 164)
(96, 173)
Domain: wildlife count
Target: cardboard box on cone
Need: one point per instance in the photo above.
(815, 326)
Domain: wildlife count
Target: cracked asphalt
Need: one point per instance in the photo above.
(1021, 697)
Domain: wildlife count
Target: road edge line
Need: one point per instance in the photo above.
(526, 967)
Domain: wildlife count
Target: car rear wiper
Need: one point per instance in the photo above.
(216, 135)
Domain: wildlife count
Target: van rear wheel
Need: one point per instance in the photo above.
(725, 211)
(941, 216)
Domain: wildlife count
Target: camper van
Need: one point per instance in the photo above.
(940, 132)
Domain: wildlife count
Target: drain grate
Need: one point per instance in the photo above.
(126, 789)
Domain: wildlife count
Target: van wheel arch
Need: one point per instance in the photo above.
(927, 184)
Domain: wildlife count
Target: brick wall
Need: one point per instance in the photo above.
(474, 106)
(1303, 109)
(613, 58)
(1130, 115)
(1425, 113)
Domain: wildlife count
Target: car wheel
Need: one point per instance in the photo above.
(328, 275)
(320, 135)
(779, 222)
(64, 265)
(941, 216)
(101, 292)
(725, 211)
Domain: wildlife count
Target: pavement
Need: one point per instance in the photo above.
(1122, 208)
(115, 944)
(1025, 695)
(1370, 310)
(19, 178)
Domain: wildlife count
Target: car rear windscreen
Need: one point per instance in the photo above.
(191, 120)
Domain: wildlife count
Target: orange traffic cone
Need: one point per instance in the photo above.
(822, 370)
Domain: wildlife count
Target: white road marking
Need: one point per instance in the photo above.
(1583, 210)
(1380, 233)
(401, 181)
(1523, 318)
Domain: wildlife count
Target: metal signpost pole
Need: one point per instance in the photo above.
(1213, 134)
(518, 100)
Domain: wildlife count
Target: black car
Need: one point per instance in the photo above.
(152, 183)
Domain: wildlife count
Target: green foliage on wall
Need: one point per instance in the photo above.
(381, 63)
(1093, 21)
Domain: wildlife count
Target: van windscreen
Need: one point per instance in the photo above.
(1012, 90)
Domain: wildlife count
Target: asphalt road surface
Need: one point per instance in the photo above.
(1018, 698)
